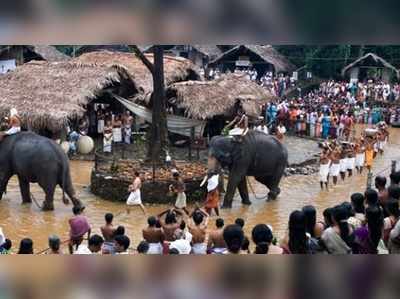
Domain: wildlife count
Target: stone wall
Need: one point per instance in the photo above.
(115, 189)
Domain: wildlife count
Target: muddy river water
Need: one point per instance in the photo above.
(19, 221)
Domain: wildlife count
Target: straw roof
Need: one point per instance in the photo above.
(266, 53)
(368, 59)
(206, 99)
(50, 53)
(93, 48)
(175, 68)
(47, 95)
(211, 51)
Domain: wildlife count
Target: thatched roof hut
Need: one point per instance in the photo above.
(370, 61)
(210, 51)
(259, 56)
(175, 68)
(23, 54)
(94, 48)
(48, 95)
(206, 99)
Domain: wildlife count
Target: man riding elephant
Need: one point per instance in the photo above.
(258, 155)
(14, 124)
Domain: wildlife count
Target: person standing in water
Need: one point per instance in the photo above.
(178, 187)
(135, 198)
(335, 167)
(324, 168)
(212, 201)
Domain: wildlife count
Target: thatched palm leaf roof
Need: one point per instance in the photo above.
(47, 95)
(376, 60)
(210, 51)
(175, 68)
(50, 53)
(266, 53)
(203, 100)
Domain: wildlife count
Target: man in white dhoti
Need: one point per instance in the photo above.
(135, 198)
(324, 169)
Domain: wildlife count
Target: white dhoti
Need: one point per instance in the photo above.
(199, 248)
(12, 131)
(381, 145)
(117, 134)
(155, 248)
(107, 143)
(351, 163)
(335, 169)
(134, 198)
(360, 160)
(238, 132)
(180, 202)
(127, 135)
(100, 126)
(343, 165)
(323, 173)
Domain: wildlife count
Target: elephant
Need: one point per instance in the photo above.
(36, 159)
(255, 154)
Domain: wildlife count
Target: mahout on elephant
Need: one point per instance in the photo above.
(257, 154)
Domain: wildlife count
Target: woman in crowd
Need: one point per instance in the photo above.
(233, 236)
(368, 237)
(338, 238)
(262, 237)
(392, 209)
(26, 246)
(296, 241)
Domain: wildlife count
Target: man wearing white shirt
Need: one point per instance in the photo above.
(263, 128)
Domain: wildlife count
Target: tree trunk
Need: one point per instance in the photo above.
(157, 142)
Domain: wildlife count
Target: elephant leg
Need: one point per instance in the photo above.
(3, 185)
(243, 191)
(273, 185)
(25, 190)
(69, 190)
(48, 204)
(233, 183)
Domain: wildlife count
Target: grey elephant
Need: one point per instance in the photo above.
(257, 154)
(36, 159)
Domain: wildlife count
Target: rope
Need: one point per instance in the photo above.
(36, 202)
(254, 193)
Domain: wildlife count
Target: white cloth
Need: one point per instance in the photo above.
(199, 248)
(107, 143)
(335, 169)
(343, 165)
(13, 130)
(263, 129)
(127, 135)
(183, 246)
(82, 249)
(2, 237)
(323, 173)
(351, 163)
(212, 182)
(360, 160)
(237, 132)
(100, 126)
(155, 248)
(180, 202)
(117, 134)
(134, 198)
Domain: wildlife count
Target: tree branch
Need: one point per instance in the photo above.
(143, 58)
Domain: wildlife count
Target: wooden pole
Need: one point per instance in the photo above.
(369, 180)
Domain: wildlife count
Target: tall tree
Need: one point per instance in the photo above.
(157, 141)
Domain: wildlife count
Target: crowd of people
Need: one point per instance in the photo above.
(365, 224)
(339, 158)
(334, 107)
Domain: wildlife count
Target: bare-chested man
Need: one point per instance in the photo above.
(198, 229)
(360, 155)
(216, 242)
(108, 232)
(170, 224)
(324, 168)
(154, 236)
(135, 198)
(14, 125)
(351, 159)
(335, 167)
